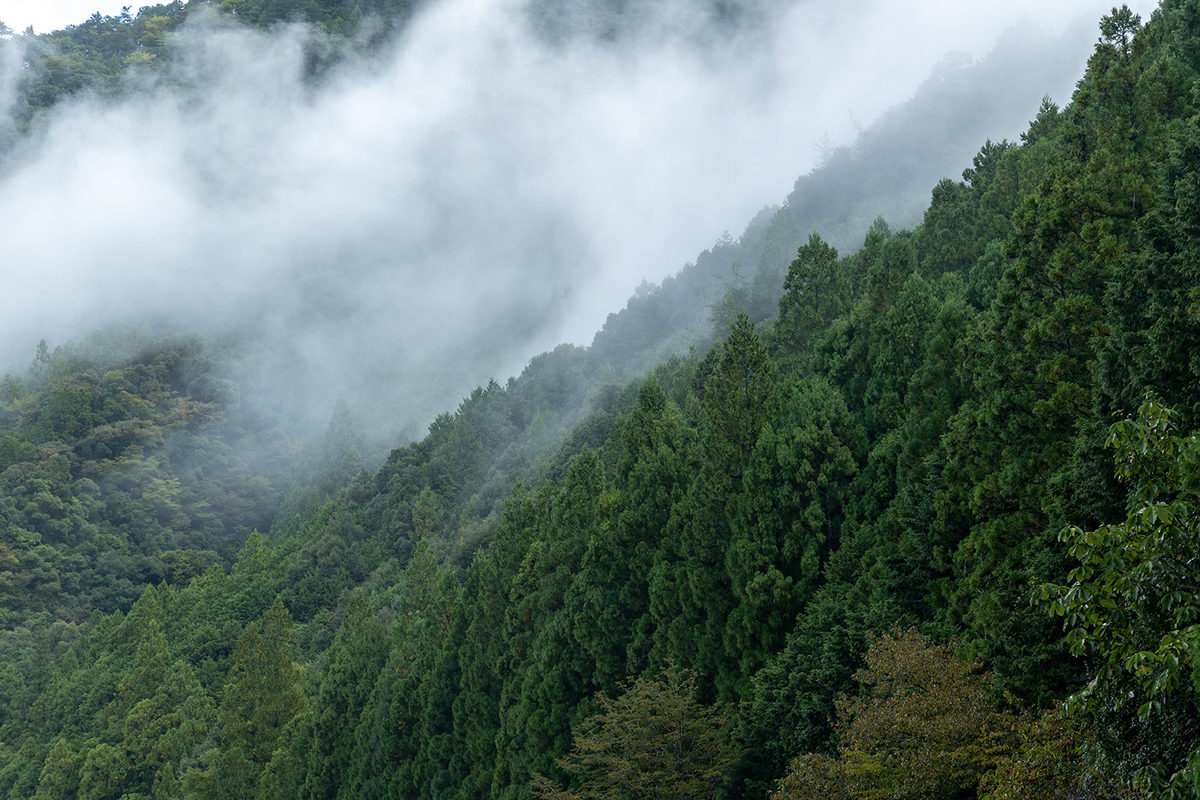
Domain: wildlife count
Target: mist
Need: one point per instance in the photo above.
(414, 223)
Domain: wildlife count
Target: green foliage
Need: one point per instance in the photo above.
(221, 774)
(60, 775)
(1152, 308)
(352, 666)
(394, 726)
(898, 448)
(263, 693)
(101, 54)
(740, 397)
(1133, 604)
(549, 666)
(788, 518)
(656, 740)
(814, 294)
(1050, 762)
(926, 726)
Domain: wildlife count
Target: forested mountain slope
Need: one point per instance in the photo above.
(782, 533)
(884, 173)
(394, 240)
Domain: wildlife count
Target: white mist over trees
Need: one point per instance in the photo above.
(412, 223)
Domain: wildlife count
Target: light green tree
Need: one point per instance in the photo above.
(1133, 603)
(656, 740)
(925, 725)
(60, 775)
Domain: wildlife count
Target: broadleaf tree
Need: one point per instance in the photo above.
(1133, 603)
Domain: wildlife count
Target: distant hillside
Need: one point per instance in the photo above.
(887, 172)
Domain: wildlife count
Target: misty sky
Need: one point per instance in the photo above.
(51, 15)
(474, 181)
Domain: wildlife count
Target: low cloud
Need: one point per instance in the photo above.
(415, 223)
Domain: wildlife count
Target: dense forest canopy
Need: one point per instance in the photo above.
(850, 506)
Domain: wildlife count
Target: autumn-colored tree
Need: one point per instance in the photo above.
(1051, 764)
(656, 740)
(925, 725)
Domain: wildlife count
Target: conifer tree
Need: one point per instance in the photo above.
(163, 729)
(351, 669)
(404, 698)
(610, 599)
(1152, 303)
(787, 519)
(476, 705)
(485, 655)
(740, 397)
(60, 775)
(264, 691)
(814, 293)
(548, 667)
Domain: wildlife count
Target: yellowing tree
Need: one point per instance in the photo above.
(654, 741)
(926, 725)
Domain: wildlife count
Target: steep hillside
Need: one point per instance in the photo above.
(884, 173)
(837, 548)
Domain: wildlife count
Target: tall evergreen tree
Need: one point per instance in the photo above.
(264, 691)
(740, 397)
(814, 294)
(787, 519)
(351, 668)
(549, 671)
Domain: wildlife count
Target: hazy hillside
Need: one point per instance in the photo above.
(886, 172)
(396, 219)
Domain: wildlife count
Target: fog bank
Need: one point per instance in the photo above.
(416, 223)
